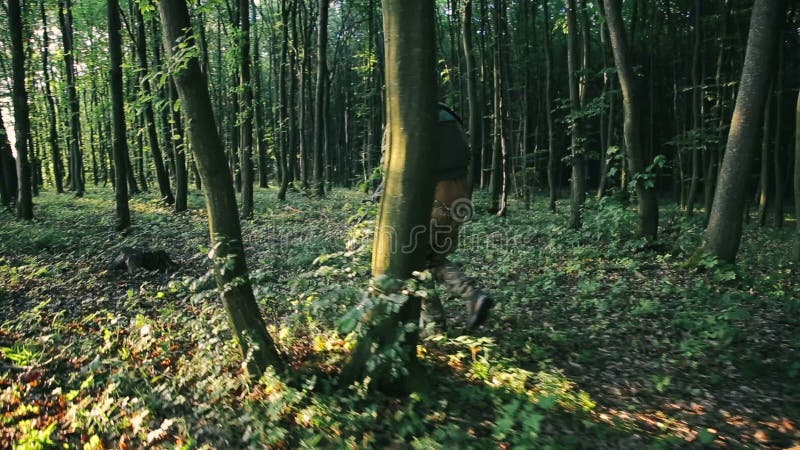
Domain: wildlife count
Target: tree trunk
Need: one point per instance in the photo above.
(713, 163)
(764, 181)
(606, 117)
(724, 230)
(119, 137)
(230, 267)
(9, 185)
(22, 124)
(697, 119)
(178, 150)
(797, 180)
(150, 121)
(475, 122)
(577, 184)
(320, 98)
(77, 182)
(261, 120)
(645, 188)
(406, 202)
(285, 100)
(55, 150)
(246, 114)
(778, 160)
(552, 155)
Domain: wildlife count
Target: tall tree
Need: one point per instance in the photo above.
(406, 203)
(246, 112)
(8, 169)
(77, 182)
(797, 180)
(55, 150)
(22, 123)
(645, 189)
(149, 116)
(724, 231)
(320, 97)
(697, 109)
(552, 155)
(577, 184)
(475, 122)
(119, 138)
(230, 266)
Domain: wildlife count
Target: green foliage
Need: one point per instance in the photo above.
(594, 332)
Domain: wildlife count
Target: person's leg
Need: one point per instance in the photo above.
(458, 283)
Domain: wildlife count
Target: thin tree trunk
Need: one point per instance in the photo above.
(778, 160)
(9, 187)
(605, 117)
(22, 124)
(55, 150)
(246, 115)
(552, 158)
(178, 152)
(797, 180)
(150, 120)
(646, 194)
(697, 120)
(577, 184)
(764, 181)
(475, 122)
(76, 155)
(261, 121)
(119, 137)
(230, 266)
(724, 230)
(320, 98)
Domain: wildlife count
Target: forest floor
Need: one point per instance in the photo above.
(596, 341)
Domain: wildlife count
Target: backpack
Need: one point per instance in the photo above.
(453, 147)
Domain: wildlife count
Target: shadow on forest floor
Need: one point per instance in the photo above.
(595, 342)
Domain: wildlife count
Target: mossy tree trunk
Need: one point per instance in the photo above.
(401, 245)
(724, 230)
(230, 267)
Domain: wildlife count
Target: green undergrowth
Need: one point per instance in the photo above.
(598, 339)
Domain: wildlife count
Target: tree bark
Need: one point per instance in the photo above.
(246, 113)
(646, 194)
(475, 122)
(178, 143)
(230, 267)
(724, 231)
(552, 155)
(55, 150)
(9, 185)
(405, 207)
(119, 138)
(77, 181)
(22, 124)
(577, 183)
(697, 119)
(150, 121)
(797, 180)
(320, 98)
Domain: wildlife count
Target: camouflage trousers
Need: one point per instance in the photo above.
(457, 284)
